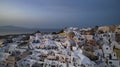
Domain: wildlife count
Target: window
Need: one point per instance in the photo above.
(78, 38)
(114, 54)
(110, 62)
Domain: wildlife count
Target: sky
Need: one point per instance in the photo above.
(59, 13)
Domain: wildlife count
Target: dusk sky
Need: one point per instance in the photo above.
(59, 13)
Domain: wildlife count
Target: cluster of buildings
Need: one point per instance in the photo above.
(86, 47)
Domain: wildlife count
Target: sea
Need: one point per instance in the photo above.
(9, 32)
